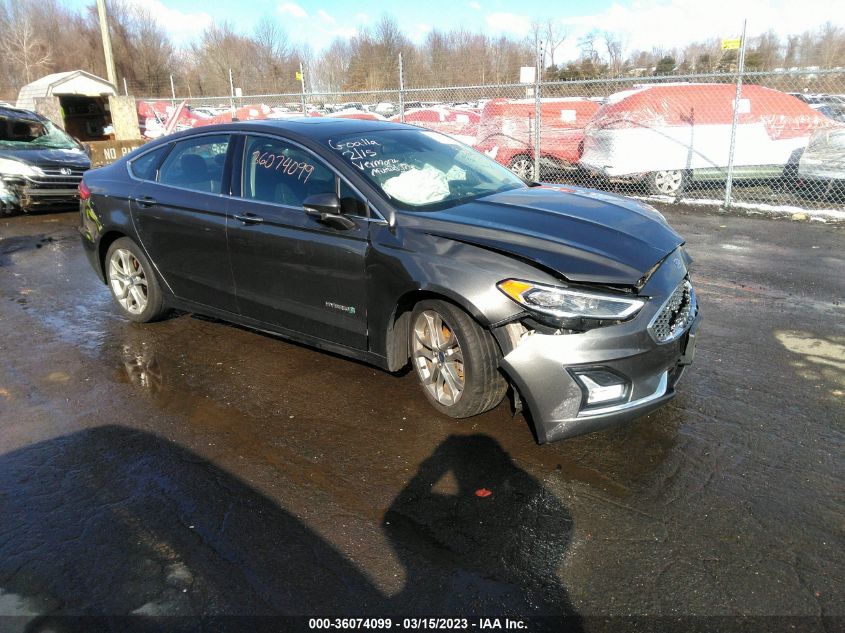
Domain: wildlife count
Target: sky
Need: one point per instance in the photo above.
(640, 24)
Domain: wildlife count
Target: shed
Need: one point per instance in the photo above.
(76, 100)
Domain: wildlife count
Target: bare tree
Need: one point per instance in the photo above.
(587, 44)
(830, 46)
(555, 34)
(535, 40)
(24, 51)
(615, 52)
(277, 62)
(332, 67)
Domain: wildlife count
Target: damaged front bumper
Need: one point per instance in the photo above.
(47, 191)
(548, 369)
(9, 199)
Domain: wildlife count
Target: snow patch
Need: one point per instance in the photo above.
(818, 215)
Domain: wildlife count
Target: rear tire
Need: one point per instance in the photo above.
(133, 283)
(456, 361)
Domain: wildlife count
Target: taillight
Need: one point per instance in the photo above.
(84, 191)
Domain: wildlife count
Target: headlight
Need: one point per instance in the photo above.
(567, 303)
(10, 167)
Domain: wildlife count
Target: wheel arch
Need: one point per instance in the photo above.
(106, 240)
(396, 343)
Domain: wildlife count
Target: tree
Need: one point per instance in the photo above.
(769, 50)
(665, 66)
(27, 54)
(830, 46)
(555, 34)
(331, 68)
(615, 56)
(728, 62)
(790, 58)
(277, 63)
(587, 44)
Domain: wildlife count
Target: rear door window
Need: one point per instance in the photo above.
(196, 163)
(145, 167)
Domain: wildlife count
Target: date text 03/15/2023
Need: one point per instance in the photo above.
(413, 624)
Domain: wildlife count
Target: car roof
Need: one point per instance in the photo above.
(18, 113)
(316, 128)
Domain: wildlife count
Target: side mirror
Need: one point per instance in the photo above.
(326, 208)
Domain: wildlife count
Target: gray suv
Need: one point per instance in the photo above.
(40, 165)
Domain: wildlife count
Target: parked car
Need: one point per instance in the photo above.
(669, 135)
(459, 123)
(394, 245)
(815, 101)
(821, 168)
(355, 113)
(385, 109)
(506, 133)
(40, 165)
(832, 111)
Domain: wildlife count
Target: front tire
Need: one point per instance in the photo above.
(456, 361)
(133, 283)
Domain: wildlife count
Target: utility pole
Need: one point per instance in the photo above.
(104, 32)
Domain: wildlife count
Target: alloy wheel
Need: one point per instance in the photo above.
(438, 358)
(523, 167)
(128, 281)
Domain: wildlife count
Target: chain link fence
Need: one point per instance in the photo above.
(760, 139)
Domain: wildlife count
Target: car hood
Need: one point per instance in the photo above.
(582, 234)
(48, 157)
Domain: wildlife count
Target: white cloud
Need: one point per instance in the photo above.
(512, 23)
(291, 8)
(180, 26)
(644, 24)
(326, 17)
(475, 5)
(419, 31)
(362, 17)
(346, 32)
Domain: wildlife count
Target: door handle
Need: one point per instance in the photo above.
(249, 218)
(146, 201)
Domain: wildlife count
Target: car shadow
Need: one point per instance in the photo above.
(116, 521)
(477, 534)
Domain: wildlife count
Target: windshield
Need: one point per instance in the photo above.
(26, 133)
(423, 170)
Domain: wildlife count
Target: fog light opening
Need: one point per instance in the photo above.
(601, 386)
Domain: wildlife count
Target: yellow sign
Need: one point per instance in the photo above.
(731, 45)
(298, 76)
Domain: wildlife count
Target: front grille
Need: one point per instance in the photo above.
(53, 178)
(676, 315)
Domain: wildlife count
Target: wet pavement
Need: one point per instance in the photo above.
(190, 466)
